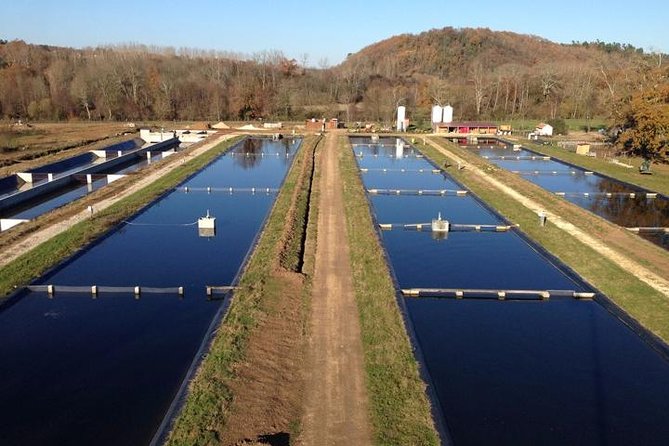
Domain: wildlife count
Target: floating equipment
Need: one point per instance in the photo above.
(655, 230)
(459, 193)
(451, 227)
(495, 293)
(439, 225)
(517, 158)
(96, 290)
(604, 194)
(219, 291)
(206, 225)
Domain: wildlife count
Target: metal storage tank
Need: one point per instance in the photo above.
(437, 113)
(448, 114)
(401, 115)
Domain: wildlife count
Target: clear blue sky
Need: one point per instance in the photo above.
(321, 29)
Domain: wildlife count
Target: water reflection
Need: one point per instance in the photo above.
(248, 155)
(619, 208)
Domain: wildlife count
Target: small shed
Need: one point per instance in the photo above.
(315, 125)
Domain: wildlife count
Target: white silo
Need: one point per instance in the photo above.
(448, 114)
(401, 115)
(437, 113)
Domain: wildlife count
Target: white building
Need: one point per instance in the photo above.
(544, 130)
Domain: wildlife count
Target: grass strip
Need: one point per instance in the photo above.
(35, 262)
(648, 306)
(209, 400)
(399, 405)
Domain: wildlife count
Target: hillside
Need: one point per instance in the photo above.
(484, 74)
(492, 74)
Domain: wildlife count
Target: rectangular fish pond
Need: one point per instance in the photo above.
(57, 184)
(84, 369)
(621, 203)
(514, 350)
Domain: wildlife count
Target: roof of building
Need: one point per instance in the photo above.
(467, 124)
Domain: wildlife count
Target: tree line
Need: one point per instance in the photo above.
(483, 74)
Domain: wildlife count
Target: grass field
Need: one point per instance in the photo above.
(574, 125)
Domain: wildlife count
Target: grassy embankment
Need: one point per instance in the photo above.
(658, 182)
(645, 304)
(20, 144)
(35, 262)
(399, 406)
(574, 125)
(287, 244)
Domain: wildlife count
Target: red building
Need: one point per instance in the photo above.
(466, 128)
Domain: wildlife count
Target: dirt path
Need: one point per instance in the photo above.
(657, 282)
(336, 396)
(35, 239)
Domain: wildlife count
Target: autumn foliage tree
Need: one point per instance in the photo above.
(483, 74)
(643, 124)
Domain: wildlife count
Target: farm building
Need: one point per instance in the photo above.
(544, 130)
(320, 125)
(467, 128)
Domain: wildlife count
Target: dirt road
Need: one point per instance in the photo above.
(336, 407)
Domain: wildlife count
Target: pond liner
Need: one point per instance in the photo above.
(16, 295)
(652, 340)
(635, 190)
(181, 395)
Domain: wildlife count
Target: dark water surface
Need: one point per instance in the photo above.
(554, 372)
(83, 371)
(620, 208)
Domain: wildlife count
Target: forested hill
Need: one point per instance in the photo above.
(482, 73)
(490, 74)
(450, 52)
